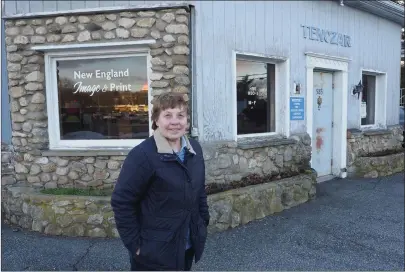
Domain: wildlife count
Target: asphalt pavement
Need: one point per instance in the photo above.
(354, 224)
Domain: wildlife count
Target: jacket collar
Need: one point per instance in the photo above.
(163, 146)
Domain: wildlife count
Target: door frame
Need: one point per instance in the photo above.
(339, 67)
(332, 73)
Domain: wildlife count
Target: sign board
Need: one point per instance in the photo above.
(363, 111)
(326, 36)
(297, 108)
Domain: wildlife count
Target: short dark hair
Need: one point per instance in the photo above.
(167, 101)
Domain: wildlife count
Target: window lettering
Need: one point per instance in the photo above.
(104, 104)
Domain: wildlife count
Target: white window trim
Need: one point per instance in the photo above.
(380, 108)
(282, 87)
(55, 143)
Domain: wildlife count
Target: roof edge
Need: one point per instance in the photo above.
(382, 8)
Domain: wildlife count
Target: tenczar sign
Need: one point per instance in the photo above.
(322, 35)
(98, 74)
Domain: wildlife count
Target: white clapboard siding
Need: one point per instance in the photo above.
(273, 28)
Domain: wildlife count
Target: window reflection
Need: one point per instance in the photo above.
(255, 97)
(368, 99)
(105, 98)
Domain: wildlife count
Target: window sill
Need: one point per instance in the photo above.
(86, 152)
(264, 141)
(368, 132)
(373, 132)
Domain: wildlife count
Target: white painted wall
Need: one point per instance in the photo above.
(273, 28)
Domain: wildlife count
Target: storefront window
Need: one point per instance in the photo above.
(255, 97)
(103, 98)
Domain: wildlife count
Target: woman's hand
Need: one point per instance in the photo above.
(138, 251)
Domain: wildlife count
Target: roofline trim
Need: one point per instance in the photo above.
(83, 11)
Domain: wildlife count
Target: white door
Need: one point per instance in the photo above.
(322, 123)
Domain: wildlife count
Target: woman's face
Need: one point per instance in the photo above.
(172, 123)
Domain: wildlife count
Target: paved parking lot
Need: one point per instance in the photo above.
(354, 224)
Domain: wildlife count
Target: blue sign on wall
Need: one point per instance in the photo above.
(296, 108)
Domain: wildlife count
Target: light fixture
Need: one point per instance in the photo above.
(297, 88)
(357, 89)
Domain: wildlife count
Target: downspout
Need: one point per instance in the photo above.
(193, 97)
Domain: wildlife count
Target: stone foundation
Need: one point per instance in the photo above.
(93, 216)
(375, 153)
(225, 162)
(373, 167)
(278, 157)
(59, 215)
(241, 206)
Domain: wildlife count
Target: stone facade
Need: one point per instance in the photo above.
(375, 153)
(93, 216)
(169, 63)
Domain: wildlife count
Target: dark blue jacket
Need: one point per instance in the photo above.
(157, 198)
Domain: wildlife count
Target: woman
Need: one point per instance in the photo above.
(159, 200)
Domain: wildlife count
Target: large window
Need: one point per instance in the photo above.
(103, 98)
(98, 99)
(255, 88)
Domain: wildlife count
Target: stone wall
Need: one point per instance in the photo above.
(68, 172)
(169, 62)
(375, 153)
(241, 206)
(276, 157)
(93, 216)
(59, 215)
(225, 162)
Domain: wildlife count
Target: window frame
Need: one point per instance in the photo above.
(380, 108)
(281, 88)
(50, 59)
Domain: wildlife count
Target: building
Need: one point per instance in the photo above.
(275, 87)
